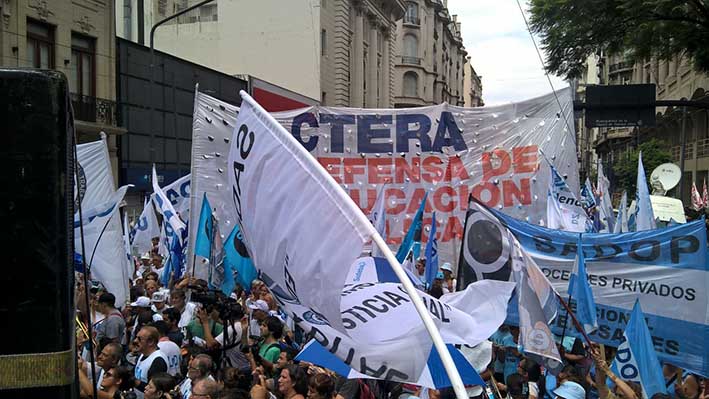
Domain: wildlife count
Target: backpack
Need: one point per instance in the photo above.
(364, 391)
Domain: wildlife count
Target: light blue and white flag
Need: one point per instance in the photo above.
(165, 206)
(413, 236)
(636, 359)
(378, 218)
(580, 291)
(605, 206)
(621, 222)
(587, 197)
(205, 232)
(644, 216)
(431, 254)
(573, 215)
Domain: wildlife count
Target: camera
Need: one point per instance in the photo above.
(228, 308)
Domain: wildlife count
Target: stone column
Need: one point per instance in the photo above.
(356, 85)
(387, 62)
(373, 82)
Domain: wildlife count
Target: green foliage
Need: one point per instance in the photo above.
(572, 30)
(655, 153)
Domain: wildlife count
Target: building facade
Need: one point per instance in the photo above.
(675, 79)
(340, 52)
(430, 64)
(76, 37)
(472, 86)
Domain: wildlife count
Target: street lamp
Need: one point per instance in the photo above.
(152, 66)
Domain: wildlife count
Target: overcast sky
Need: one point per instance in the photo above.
(502, 52)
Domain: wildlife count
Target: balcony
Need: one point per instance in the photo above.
(621, 67)
(412, 20)
(411, 60)
(94, 110)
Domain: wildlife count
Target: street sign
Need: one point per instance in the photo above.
(620, 105)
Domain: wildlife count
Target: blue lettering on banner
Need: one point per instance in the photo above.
(676, 340)
(182, 191)
(376, 135)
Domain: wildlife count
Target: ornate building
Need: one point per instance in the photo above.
(430, 66)
(76, 37)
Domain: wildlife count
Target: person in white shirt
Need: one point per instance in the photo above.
(448, 280)
(234, 357)
(151, 360)
(199, 368)
(169, 348)
(178, 300)
(158, 301)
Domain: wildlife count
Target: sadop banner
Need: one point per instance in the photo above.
(450, 152)
(665, 269)
(178, 192)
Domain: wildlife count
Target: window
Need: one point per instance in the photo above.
(323, 42)
(40, 45)
(411, 83)
(82, 70)
(411, 46)
(208, 12)
(412, 14)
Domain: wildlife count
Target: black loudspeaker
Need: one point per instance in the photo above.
(37, 353)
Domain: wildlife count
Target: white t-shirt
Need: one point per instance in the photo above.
(187, 314)
(533, 389)
(234, 355)
(172, 352)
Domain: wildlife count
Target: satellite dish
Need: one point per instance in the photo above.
(664, 178)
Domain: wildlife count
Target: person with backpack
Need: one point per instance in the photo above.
(265, 353)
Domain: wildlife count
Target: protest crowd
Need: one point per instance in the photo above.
(162, 345)
(252, 317)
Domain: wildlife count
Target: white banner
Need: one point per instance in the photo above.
(490, 152)
(96, 186)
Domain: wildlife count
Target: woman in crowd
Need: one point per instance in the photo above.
(321, 386)
(159, 386)
(293, 383)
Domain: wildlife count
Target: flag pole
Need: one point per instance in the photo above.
(573, 319)
(566, 321)
(446, 359)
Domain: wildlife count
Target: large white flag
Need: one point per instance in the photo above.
(621, 222)
(96, 187)
(146, 228)
(644, 216)
(605, 206)
(103, 242)
(178, 193)
(301, 229)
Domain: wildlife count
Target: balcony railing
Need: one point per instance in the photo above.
(702, 148)
(621, 66)
(412, 20)
(92, 109)
(411, 60)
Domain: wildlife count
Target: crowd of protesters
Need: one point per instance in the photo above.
(163, 344)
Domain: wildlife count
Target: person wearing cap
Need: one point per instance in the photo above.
(448, 280)
(158, 302)
(258, 311)
(570, 390)
(113, 327)
(142, 305)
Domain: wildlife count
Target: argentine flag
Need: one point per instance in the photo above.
(636, 359)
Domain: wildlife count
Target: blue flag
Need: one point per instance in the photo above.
(431, 254)
(636, 359)
(644, 215)
(205, 230)
(173, 264)
(413, 235)
(580, 290)
(237, 261)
